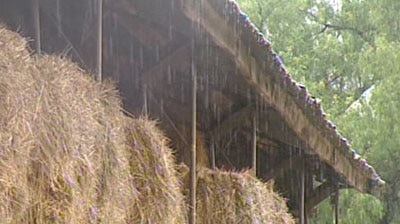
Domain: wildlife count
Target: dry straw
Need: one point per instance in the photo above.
(231, 197)
(67, 153)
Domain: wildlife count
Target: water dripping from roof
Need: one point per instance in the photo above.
(110, 46)
(58, 18)
(207, 92)
(162, 108)
(169, 75)
(141, 57)
(131, 52)
(157, 53)
(170, 28)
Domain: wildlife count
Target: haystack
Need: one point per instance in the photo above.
(236, 197)
(68, 154)
(154, 172)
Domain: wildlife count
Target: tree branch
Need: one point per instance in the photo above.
(326, 26)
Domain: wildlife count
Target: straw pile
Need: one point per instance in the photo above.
(230, 197)
(67, 153)
(160, 199)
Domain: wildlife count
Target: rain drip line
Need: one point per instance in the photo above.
(99, 52)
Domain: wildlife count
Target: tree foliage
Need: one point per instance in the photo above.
(347, 53)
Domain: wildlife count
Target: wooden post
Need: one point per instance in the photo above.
(336, 201)
(254, 166)
(99, 61)
(193, 178)
(36, 23)
(145, 104)
(302, 192)
(212, 151)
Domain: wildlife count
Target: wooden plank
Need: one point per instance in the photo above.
(319, 194)
(275, 94)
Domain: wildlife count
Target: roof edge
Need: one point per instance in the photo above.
(302, 112)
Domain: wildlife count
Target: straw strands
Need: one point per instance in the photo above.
(231, 197)
(68, 154)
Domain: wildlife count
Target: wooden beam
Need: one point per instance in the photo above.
(272, 91)
(319, 194)
(240, 118)
(276, 128)
(267, 142)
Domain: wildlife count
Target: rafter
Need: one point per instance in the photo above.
(238, 119)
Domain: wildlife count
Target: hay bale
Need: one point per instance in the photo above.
(230, 197)
(182, 143)
(65, 153)
(155, 176)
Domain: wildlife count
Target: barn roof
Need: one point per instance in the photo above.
(232, 30)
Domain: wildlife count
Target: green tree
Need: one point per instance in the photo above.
(380, 138)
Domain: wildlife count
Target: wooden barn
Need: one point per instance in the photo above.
(250, 113)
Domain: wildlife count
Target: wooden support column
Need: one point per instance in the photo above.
(99, 53)
(193, 178)
(145, 100)
(302, 193)
(254, 166)
(336, 201)
(36, 24)
(212, 152)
